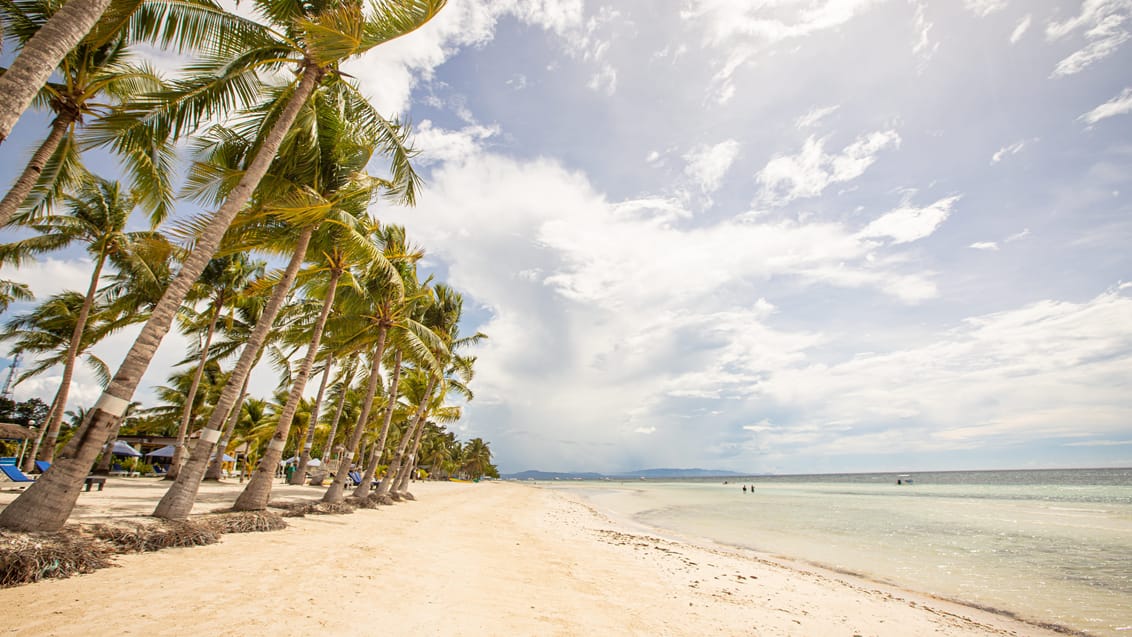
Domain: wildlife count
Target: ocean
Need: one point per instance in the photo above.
(1050, 547)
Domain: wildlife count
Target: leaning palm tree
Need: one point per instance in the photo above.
(378, 308)
(96, 215)
(57, 27)
(221, 282)
(41, 54)
(47, 334)
(92, 77)
(317, 180)
(316, 36)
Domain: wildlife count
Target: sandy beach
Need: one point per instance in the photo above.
(465, 559)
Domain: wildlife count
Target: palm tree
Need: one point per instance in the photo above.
(378, 306)
(222, 280)
(319, 35)
(477, 458)
(12, 291)
(41, 54)
(319, 179)
(47, 333)
(89, 74)
(96, 215)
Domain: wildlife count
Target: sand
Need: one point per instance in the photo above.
(464, 559)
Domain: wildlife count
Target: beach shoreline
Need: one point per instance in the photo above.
(467, 559)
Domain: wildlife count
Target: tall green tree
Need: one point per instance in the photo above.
(96, 215)
(93, 77)
(315, 37)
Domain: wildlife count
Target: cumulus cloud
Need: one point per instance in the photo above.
(812, 170)
(1103, 22)
(1118, 105)
(439, 145)
(615, 306)
(707, 165)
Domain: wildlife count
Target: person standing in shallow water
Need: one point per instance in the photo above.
(744, 488)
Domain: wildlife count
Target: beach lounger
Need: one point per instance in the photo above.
(355, 478)
(14, 474)
(42, 465)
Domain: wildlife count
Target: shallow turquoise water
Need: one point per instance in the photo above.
(1047, 546)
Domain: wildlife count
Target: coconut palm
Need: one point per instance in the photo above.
(319, 182)
(96, 215)
(92, 77)
(13, 291)
(222, 280)
(316, 36)
(41, 54)
(379, 307)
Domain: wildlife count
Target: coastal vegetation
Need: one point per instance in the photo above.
(272, 250)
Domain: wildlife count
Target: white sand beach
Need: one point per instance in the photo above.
(465, 559)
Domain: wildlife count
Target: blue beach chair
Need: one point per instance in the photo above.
(14, 474)
(42, 465)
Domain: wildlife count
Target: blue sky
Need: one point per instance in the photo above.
(782, 236)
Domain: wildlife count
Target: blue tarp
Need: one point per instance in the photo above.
(122, 448)
(164, 452)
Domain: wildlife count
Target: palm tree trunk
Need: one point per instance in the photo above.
(379, 449)
(27, 180)
(258, 491)
(190, 398)
(216, 467)
(337, 488)
(329, 446)
(47, 503)
(29, 460)
(300, 475)
(47, 451)
(394, 466)
(41, 55)
(178, 500)
(410, 464)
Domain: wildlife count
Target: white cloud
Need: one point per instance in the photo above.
(440, 145)
(707, 165)
(743, 30)
(984, 245)
(815, 116)
(812, 170)
(923, 48)
(983, 8)
(1118, 105)
(1045, 370)
(908, 223)
(1018, 235)
(604, 81)
(1103, 21)
(1011, 149)
(1021, 29)
(389, 73)
(645, 430)
(615, 305)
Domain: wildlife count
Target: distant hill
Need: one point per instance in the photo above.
(642, 473)
(680, 473)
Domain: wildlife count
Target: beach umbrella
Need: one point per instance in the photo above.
(228, 458)
(121, 448)
(164, 452)
(314, 462)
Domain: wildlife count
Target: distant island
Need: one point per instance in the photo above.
(641, 473)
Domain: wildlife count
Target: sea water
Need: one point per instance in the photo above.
(1046, 546)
